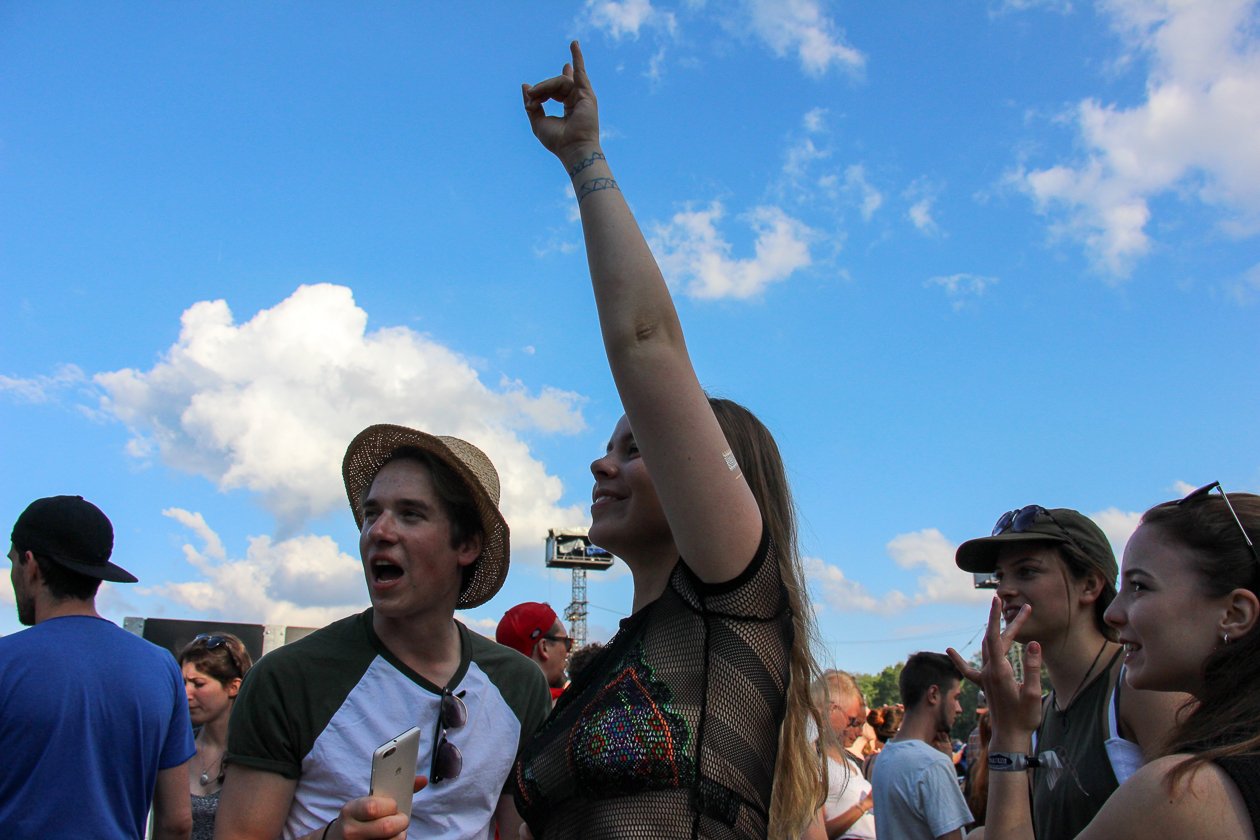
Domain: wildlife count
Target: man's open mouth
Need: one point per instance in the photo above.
(385, 572)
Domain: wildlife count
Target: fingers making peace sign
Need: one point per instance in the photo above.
(1015, 707)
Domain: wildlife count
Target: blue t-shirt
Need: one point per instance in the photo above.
(89, 714)
(916, 792)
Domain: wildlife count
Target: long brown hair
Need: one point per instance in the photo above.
(978, 771)
(800, 781)
(1227, 719)
(1077, 565)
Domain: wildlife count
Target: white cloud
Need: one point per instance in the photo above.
(870, 199)
(269, 405)
(484, 626)
(195, 522)
(626, 18)
(803, 28)
(813, 120)
(1182, 488)
(656, 65)
(806, 180)
(1247, 287)
(961, 287)
(696, 259)
(939, 581)
(800, 157)
(927, 551)
(306, 581)
(41, 389)
(1118, 525)
(920, 215)
(833, 589)
(1195, 136)
(1060, 6)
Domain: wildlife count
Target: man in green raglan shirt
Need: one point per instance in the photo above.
(310, 714)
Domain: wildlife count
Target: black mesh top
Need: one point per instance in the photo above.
(672, 732)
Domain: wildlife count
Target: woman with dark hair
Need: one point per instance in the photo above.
(1060, 563)
(692, 720)
(885, 722)
(213, 667)
(976, 788)
(1186, 615)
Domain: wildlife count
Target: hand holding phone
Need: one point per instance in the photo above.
(394, 768)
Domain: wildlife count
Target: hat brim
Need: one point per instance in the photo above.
(101, 571)
(980, 555)
(375, 445)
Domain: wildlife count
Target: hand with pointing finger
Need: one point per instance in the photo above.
(576, 133)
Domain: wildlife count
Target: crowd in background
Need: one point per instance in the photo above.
(706, 715)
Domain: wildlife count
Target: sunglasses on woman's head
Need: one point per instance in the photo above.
(214, 643)
(1019, 521)
(448, 761)
(211, 642)
(1216, 485)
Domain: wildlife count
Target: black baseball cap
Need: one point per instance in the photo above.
(72, 532)
(1045, 525)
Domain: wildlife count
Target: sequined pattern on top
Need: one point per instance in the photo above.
(671, 732)
(628, 732)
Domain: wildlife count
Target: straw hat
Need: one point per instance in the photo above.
(373, 446)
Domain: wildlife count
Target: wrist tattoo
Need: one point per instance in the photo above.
(585, 162)
(595, 185)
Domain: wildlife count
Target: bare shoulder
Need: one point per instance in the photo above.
(1147, 717)
(1203, 803)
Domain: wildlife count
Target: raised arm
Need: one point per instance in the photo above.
(712, 513)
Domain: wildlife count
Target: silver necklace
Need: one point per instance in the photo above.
(205, 772)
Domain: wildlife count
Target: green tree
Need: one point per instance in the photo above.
(881, 689)
(970, 701)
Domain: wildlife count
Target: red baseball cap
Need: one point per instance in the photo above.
(522, 626)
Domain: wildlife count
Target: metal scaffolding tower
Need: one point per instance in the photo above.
(570, 548)
(575, 613)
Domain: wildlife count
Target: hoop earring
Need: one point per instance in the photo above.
(1225, 638)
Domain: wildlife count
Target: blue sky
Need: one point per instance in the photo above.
(961, 257)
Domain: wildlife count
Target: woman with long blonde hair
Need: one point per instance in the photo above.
(692, 721)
